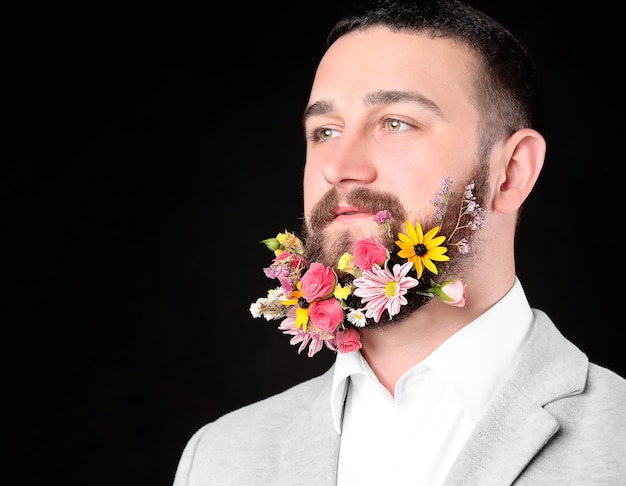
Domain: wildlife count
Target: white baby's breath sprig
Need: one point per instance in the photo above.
(470, 215)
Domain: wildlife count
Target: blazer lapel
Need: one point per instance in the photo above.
(516, 426)
(512, 431)
(503, 443)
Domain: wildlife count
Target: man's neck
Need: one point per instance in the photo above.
(395, 349)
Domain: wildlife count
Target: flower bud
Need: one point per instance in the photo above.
(273, 244)
(452, 292)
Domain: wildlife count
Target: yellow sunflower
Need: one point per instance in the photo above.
(422, 249)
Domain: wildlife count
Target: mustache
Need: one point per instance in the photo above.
(323, 213)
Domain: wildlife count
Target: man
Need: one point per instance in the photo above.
(421, 151)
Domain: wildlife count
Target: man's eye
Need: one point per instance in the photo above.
(324, 134)
(395, 125)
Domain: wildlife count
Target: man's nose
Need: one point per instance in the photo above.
(350, 162)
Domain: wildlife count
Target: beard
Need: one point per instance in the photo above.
(319, 246)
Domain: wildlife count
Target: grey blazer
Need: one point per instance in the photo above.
(559, 420)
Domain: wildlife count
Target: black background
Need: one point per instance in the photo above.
(151, 148)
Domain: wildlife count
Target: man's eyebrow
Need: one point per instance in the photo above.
(388, 97)
(382, 97)
(318, 108)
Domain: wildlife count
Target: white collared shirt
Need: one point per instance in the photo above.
(413, 437)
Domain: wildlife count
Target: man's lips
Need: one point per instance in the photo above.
(349, 212)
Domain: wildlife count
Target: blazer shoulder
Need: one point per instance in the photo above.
(245, 446)
(606, 385)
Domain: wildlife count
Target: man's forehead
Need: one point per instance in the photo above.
(377, 65)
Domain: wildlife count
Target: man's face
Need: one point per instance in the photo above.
(388, 113)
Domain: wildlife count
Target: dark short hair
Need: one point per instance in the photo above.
(506, 92)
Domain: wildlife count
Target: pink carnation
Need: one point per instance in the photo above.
(369, 252)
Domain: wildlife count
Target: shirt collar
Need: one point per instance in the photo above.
(473, 362)
(346, 364)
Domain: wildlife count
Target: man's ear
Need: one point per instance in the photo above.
(524, 153)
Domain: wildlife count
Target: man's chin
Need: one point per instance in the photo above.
(328, 246)
(351, 229)
(416, 303)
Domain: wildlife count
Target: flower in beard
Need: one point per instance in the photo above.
(314, 338)
(270, 307)
(314, 299)
(326, 297)
(451, 292)
(349, 340)
(356, 317)
(296, 300)
(369, 252)
(382, 289)
(288, 263)
(422, 249)
(346, 264)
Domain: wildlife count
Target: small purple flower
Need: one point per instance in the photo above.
(382, 216)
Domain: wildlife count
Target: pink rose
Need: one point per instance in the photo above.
(282, 256)
(318, 282)
(348, 340)
(368, 252)
(326, 314)
(297, 261)
(453, 293)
